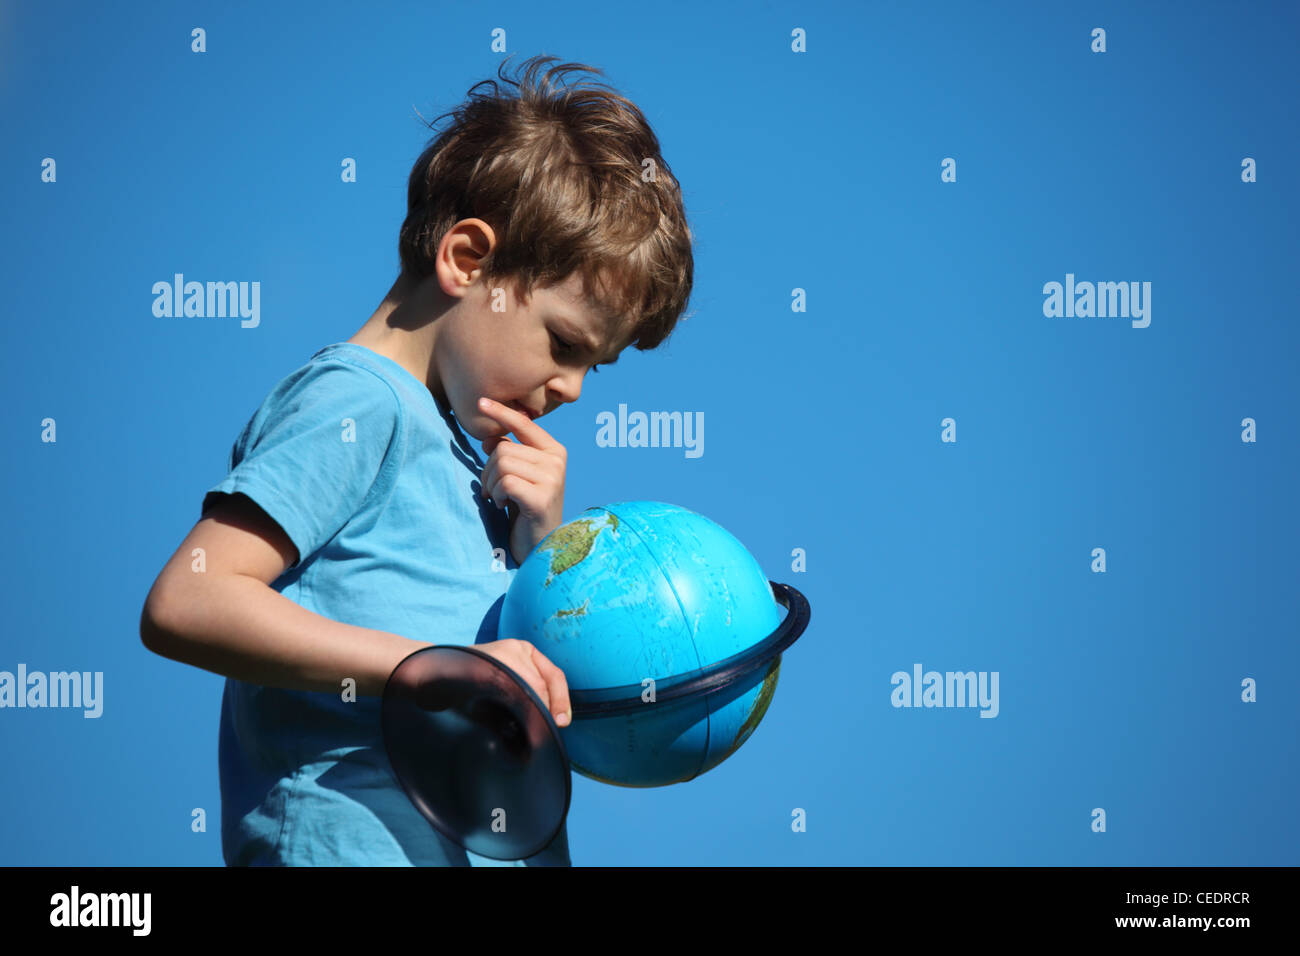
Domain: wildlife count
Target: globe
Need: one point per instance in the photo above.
(633, 596)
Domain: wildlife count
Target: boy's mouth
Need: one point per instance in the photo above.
(520, 408)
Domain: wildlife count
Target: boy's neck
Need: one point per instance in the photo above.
(404, 329)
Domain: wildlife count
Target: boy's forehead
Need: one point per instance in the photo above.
(580, 305)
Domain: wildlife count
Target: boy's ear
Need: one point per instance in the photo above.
(459, 262)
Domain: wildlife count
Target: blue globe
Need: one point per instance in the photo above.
(634, 594)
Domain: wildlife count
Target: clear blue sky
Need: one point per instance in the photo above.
(818, 171)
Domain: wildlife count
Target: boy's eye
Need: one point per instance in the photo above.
(567, 347)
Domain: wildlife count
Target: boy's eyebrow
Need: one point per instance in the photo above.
(593, 347)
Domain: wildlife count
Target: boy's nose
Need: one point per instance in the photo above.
(567, 387)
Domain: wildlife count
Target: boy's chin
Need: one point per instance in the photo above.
(481, 428)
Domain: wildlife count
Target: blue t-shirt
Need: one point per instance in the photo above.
(374, 482)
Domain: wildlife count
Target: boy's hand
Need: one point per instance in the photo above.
(546, 680)
(524, 477)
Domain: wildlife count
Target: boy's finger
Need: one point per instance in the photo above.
(538, 683)
(559, 688)
(524, 428)
(526, 669)
(496, 493)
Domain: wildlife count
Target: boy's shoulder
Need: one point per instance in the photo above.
(334, 388)
(339, 371)
(345, 355)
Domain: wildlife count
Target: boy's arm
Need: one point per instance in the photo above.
(228, 620)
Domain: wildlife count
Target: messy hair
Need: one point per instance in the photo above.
(571, 180)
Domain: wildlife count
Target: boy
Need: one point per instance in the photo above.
(544, 234)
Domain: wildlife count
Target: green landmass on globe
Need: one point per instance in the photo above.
(571, 543)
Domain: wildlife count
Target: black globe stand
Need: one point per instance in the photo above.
(482, 759)
(476, 751)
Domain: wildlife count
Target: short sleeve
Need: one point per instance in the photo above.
(315, 450)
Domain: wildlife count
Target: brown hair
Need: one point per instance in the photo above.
(557, 173)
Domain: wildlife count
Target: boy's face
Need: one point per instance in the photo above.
(532, 356)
